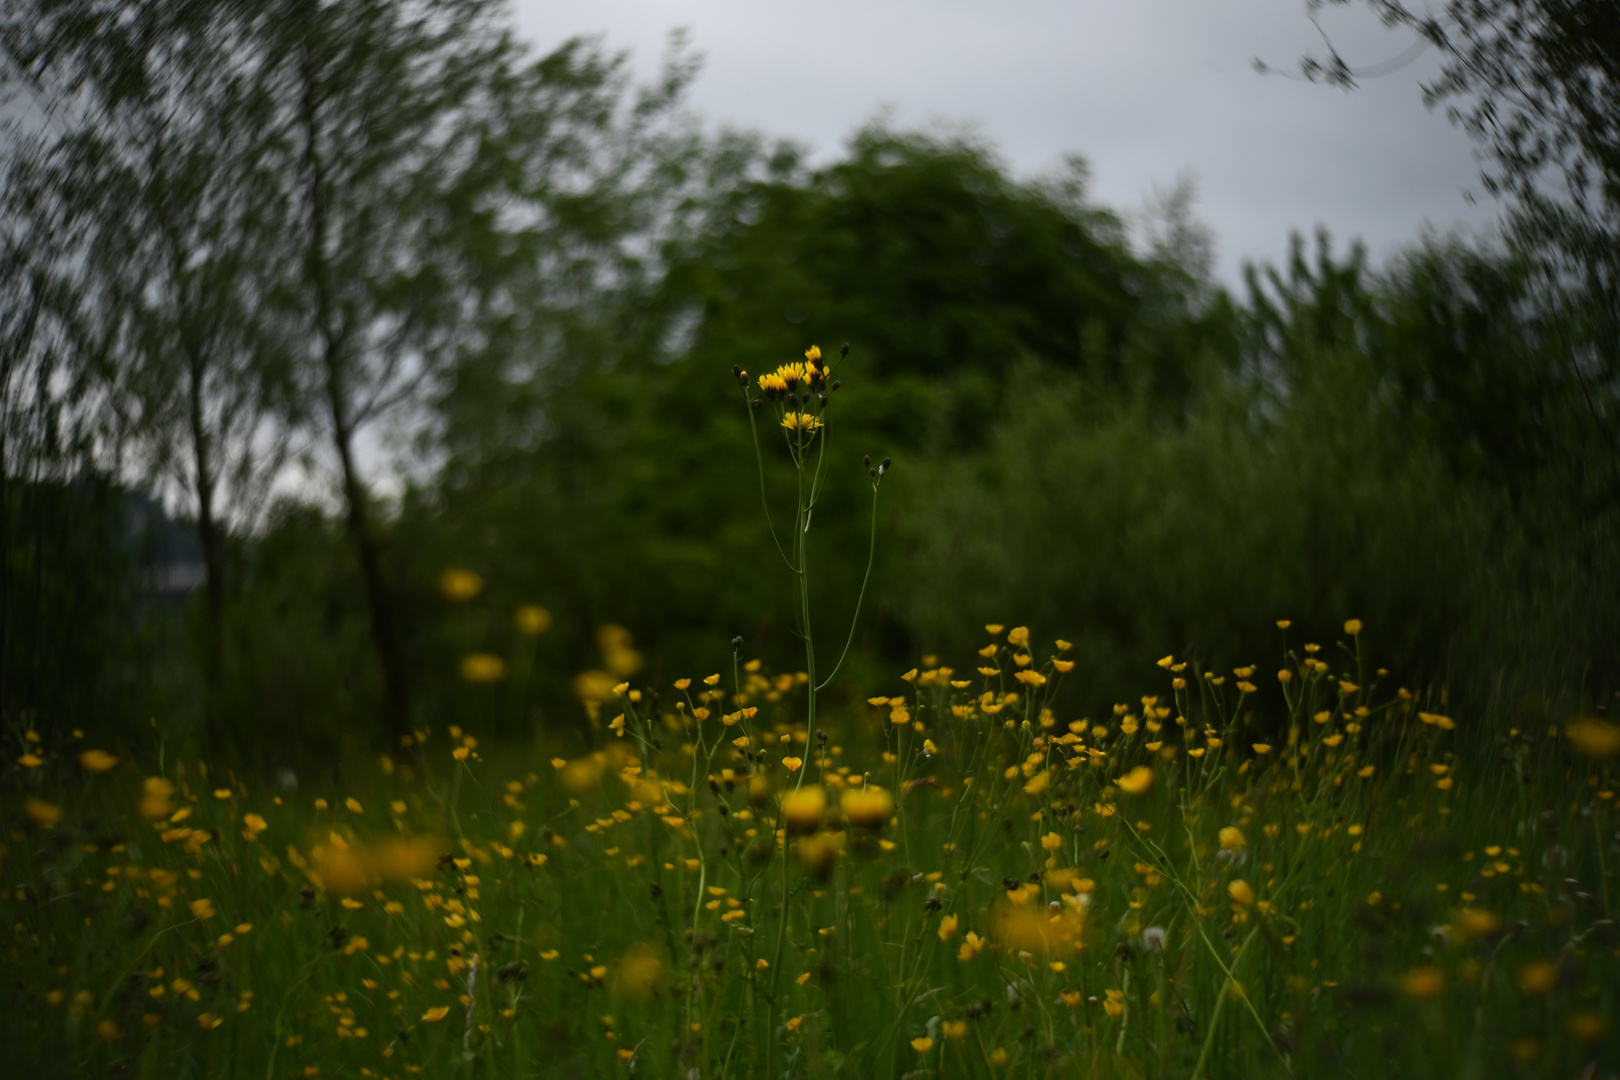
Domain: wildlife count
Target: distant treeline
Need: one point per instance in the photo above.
(244, 242)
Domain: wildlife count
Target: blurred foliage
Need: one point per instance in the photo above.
(1087, 430)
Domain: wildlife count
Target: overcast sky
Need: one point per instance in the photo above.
(1144, 89)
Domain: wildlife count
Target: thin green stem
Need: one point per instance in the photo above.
(854, 619)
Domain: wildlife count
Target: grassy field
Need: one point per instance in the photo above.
(952, 880)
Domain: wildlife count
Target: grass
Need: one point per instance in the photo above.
(1295, 872)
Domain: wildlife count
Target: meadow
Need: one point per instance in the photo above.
(1301, 868)
(951, 881)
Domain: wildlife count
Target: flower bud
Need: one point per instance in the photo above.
(845, 350)
(737, 643)
(836, 383)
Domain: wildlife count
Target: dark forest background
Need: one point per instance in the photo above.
(486, 304)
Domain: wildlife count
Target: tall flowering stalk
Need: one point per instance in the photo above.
(798, 395)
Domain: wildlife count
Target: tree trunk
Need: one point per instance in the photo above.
(379, 603)
(211, 539)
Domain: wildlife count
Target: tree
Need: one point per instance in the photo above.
(441, 182)
(165, 239)
(1536, 84)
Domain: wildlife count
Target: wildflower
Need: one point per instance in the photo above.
(532, 620)
(1594, 738)
(804, 423)
(30, 761)
(1231, 838)
(1153, 939)
(482, 668)
(97, 760)
(802, 808)
(1051, 841)
(437, 1013)
(867, 807)
(947, 927)
(972, 945)
(1240, 892)
(1537, 977)
(1136, 781)
(1587, 1026)
(639, 972)
(459, 585)
(792, 764)
(922, 1044)
(1424, 981)
(41, 812)
(1353, 627)
(1018, 636)
(955, 1030)
(203, 908)
(1262, 748)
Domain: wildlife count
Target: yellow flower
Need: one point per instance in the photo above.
(1018, 635)
(532, 619)
(922, 1044)
(460, 585)
(1537, 977)
(41, 812)
(1032, 678)
(1231, 838)
(1136, 781)
(867, 807)
(813, 353)
(1239, 891)
(30, 761)
(801, 422)
(947, 928)
(1599, 739)
(1425, 981)
(971, 946)
(802, 809)
(97, 760)
(955, 1030)
(482, 668)
(437, 1013)
(1051, 841)
(202, 908)
(157, 795)
(1353, 627)
(791, 764)
(1262, 748)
